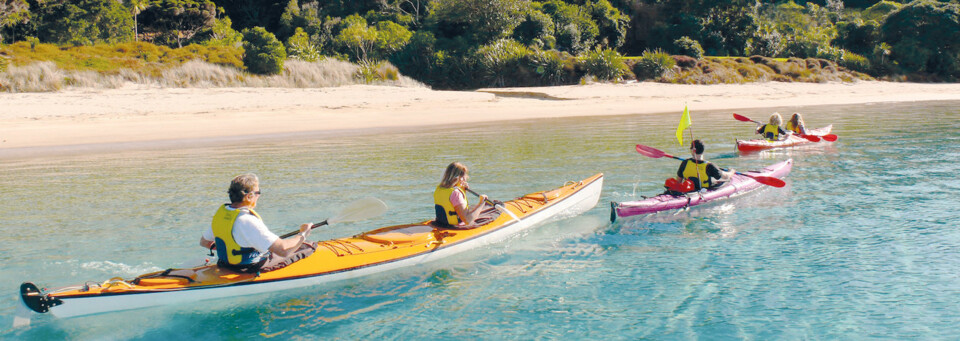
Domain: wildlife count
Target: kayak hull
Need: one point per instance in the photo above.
(368, 253)
(737, 185)
(791, 141)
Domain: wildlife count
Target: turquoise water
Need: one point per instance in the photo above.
(862, 243)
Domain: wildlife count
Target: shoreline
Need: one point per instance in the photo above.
(88, 120)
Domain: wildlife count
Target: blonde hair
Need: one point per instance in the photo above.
(796, 119)
(452, 174)
(242, 185)
(775, 119)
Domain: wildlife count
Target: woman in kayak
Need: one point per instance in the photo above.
(243, 241)
(699, 172)
(450, 200)
(795, 124)
(772, 131)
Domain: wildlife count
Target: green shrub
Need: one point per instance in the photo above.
(653, 64)
(299, 47)
(855, 62)
(548, 65)
(688, 47)
(373, 72)
(264, 54)
(604, 64)
(500, 59)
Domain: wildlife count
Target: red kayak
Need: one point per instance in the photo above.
(791, 140)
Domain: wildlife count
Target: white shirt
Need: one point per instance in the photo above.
(248, 231)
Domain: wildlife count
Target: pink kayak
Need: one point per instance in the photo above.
(737, 185)
(791, 140)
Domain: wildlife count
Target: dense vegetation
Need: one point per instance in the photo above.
(478, 43)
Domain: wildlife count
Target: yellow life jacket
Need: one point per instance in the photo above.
(696, 172)
(446, 213)
(771, 131)
(228, 251)
(790, 127)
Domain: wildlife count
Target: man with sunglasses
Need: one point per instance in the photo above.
(243, 241)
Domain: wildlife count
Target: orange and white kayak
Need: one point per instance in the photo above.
(367, 253)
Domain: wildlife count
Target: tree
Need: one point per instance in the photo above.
(220, 34)
(83, 22)
(357, 36)
(925, 36)
(576, 30)
(137, 6)
(478, 21)
(13, 12)
(300, 47)
(176, 21)
(391, 37)
(263, 53)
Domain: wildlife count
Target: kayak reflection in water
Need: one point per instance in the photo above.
(450, 200)
(243, 241)
(772, 131)
(696, 173)
(795, 125)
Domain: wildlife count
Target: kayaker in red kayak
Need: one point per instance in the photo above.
(450, 200)
(795, 125)
(772, 131)
(696, 173)
(243, 241)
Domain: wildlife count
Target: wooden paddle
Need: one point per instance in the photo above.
(656, 154)
(811, 138)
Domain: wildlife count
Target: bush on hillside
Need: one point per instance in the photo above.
(264, 54)
(604, 64)
(653, 64)
(688, 47)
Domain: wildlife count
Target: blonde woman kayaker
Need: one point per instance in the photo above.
(450, 199)
(243, 241)
(699, 171)
(772, 131)
(795, 124)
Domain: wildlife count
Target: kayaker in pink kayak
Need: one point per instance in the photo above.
(696, 173)
(772, 131)
(243, 241)
(795, 125)
(450, 200)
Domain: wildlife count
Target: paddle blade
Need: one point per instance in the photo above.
(811, 138)
(741, 118)
(365, 208)
(650, 151)
(769, 181)
(829, 137)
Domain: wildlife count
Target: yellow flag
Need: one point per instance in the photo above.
(684, 123)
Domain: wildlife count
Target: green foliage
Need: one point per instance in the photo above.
(604, 64)
(373, 72)
(220, 34)
(688, 47)
(576, 32)
(391, 38)
(880, 10)
(477, 21)
(535, 30)
(500, 59)
(299, 47)
(264, 54)
(858, 36)
(611, 23)
(84, 22)
(551, 66)
(176, 22)
(925, 37)
(357, 37)
(12, 12)
(855, 62)
(653, 64)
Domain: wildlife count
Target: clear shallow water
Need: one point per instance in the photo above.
(862, 243)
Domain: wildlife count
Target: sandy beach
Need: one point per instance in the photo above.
(35, 122)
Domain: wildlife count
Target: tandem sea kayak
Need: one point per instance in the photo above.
(335, 260)
(791, 140)
(738, 184)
